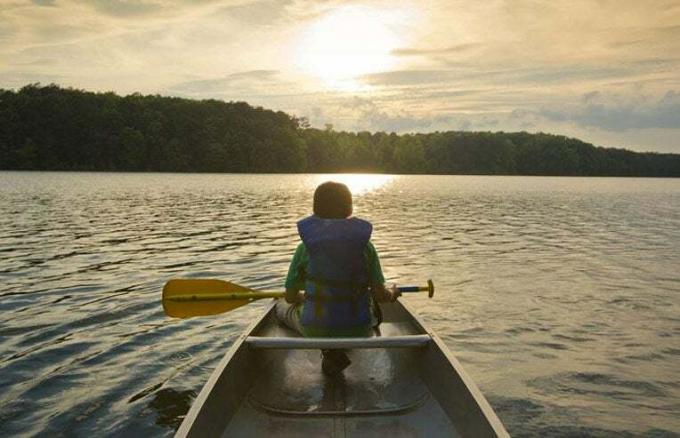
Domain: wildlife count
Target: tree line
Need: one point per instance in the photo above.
(54, 128)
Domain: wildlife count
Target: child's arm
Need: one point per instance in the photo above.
(385, 295)
(380, 293)
(293, 296)
(296, 274)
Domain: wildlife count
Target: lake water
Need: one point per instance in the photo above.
(560, 296)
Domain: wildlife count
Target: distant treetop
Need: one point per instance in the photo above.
(54, 128)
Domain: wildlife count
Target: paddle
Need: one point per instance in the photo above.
(184, 298)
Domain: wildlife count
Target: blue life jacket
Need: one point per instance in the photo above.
(337, 280)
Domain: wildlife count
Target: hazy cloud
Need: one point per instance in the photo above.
(368, 114)
(408, 77)
(224, 84)
(622, 116)
(127, 8)
(20, 78)
(258, 12)
(254, 75)
(504, 75)
(45, 2)
(646, 36)
(6, 30)
(424, 52)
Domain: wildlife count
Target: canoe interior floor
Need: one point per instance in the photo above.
(429, 420)
(380, 393)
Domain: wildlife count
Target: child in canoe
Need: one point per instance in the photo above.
(339, 270)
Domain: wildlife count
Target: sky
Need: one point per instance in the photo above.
(607, 72)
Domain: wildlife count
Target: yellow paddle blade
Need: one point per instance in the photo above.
(187, 309)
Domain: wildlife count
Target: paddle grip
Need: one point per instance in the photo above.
(429, 289)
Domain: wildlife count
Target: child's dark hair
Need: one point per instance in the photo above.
(332, 200)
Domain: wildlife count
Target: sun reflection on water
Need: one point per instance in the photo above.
(358, 183)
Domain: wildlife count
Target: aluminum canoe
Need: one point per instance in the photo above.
(402, 382)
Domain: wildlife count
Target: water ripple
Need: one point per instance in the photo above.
(559, 295)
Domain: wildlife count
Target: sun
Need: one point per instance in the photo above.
(347, 43)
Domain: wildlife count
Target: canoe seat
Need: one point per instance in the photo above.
(404, 341)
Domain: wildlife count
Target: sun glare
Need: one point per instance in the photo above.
(347, 43)
(358, 183)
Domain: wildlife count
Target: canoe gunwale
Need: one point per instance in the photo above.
(440, 347)
(191, 419)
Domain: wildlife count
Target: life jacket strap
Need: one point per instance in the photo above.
(319, 296)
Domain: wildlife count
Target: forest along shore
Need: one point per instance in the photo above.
(53, 128)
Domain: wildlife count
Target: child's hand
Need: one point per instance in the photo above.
(394, 292)
(294, 296)
(385, 294)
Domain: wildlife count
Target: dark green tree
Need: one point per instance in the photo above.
(53, 128)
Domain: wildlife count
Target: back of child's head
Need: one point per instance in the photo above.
(332, 200)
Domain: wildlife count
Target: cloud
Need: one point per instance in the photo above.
(258, 12)
(367, 114)
(609, 120)
(40, 62)
(254, 75)
(507, 75)
(373, 117)
(127, 8)
(644, 37)
(408, 77)
(56, 31)
(633, 114)
(224, 84)
(569, 74)
(591, 96)
(45, 2)
(19, 79)
(424, 52)
(141, 9)
(6, 30)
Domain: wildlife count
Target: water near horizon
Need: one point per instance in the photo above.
(560, 296)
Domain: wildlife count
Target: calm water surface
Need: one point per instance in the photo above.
(560, 296)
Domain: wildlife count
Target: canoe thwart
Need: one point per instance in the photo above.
(405, 341)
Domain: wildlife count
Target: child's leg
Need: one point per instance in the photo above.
(333, 361)
(288, 315)
(376, 314)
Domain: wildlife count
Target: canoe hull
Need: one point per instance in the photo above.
(403, 391)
